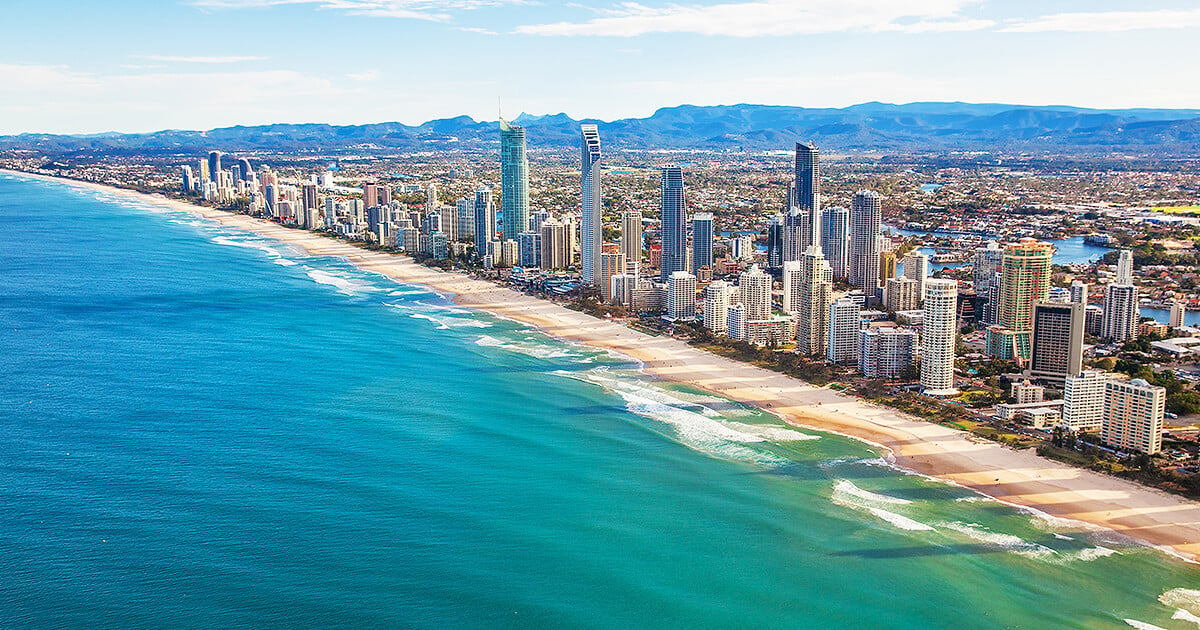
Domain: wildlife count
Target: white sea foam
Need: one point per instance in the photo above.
(903, 522)
(1142, 625)
(248, 244)
(691, 425)
(1185, 598)
(1063, 537)
(971, 499)
(344, 285)
(1007, 542)
(445, 323)
(846, 493)
(1089, 554)
(772, 433)
(1183, 615)
(284, 262)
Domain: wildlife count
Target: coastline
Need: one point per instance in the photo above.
(1018, 478)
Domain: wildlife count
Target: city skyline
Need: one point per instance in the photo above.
(212, 63)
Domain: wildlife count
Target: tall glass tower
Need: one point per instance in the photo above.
(514, 180)
(592, 227)
(808, 188)
(674, 223)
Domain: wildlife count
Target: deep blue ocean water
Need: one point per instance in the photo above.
(202, 428)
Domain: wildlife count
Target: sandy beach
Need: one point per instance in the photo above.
(1017, 477)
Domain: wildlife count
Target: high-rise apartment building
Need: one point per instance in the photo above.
(886, 352)
(812, 312)
(485, 220)
(1057, 341)
(938, 337)
(1121, 315)
(592, 225)
(835, 239)
(718, 297)
(916, 267)
(1083, 400)
(1133, 416)
(845, 321)
(631, 235)
(754, 291)
(673, 213)
(902, 294)
(681, 295)
(808, 188)
(866, 220)
(514, 180)
(1024, 281)
(702, 240)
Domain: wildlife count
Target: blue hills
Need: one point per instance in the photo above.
(912, 127)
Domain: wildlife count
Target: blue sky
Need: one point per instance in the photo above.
(81, 67)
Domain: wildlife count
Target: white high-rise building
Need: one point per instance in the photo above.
(812, 311)
(718, 296)
(1133, 416)
(754, 289)
(485, 221)
(681, 295)
(1083, 401)
(742, 247)
(916, 267)
(939, 331)
(793, 282)
(466, 219)
(866, 218)
(592, 226)
(886, 352)
(1178, 314)
(1125, 267)
(835, 239)
(845, 320)
(736, 322)
(1121, 314)
(1079, 292)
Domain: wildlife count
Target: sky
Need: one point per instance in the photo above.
(75, 66)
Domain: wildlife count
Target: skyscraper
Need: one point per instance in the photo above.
(902, 294)
(188, 185)
(466, 218)
(1024, 281)
(214, 164)
(1057, 344)
(916, 267)
(681, 295)
(1083, 400)
(866, 219)
(1178, 314)
(938, 336)
(718, 296)
(514, 180)
(612, 262)
(775, 242)
(835, 239)
(886, 352)
(485, 221)
(808, 186)
(592, 226)
(702, 240)
(754, 288)
(1133, 416)
(845, 319)
(812, 313)
(1121, 314)
(631, 235)
(1125, 267)
(1079, 292)
(246, 172)
(674, 223)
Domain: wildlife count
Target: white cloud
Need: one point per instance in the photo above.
(175, 59)
(770, 17)
(434, 10)
(1109, 21)
(475, 29)
(366, 75)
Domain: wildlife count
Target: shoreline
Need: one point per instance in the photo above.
(1020, 479)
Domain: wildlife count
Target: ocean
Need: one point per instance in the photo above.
(203, 428)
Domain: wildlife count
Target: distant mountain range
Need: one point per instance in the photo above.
(913, 127)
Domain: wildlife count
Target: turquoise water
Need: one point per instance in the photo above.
(202, 428)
